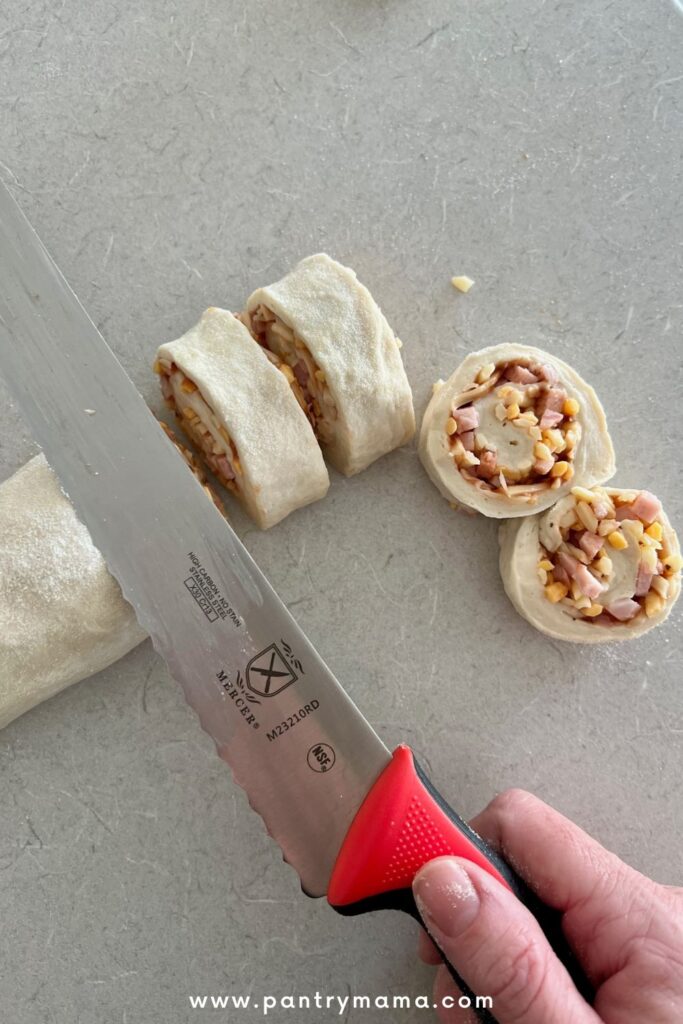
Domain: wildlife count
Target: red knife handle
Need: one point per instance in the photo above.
(403, 823)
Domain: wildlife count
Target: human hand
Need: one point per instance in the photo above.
(626, 930)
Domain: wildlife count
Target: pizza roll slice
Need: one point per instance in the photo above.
(512, 430)
(239, 411)
(603, 564)
(322, 328)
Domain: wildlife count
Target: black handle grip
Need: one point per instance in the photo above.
(549, 919)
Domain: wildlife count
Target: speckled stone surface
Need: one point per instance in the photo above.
(178, 155)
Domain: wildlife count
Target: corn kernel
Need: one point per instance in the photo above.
(462, 283)
(555, 592)
(485, 372)
(500, 412)
(554, 439)
(512, 411)
(582, 493)
(470, 459)
(451, 426)
(561, 469)
(157, 368)
(661, 585)
(673, 562)
(320, 375)
(188, 386)
(633, 528)
(529, 418)
(617, 540)
(570, 407)
(587, 516)
(653, 603)
(655, 531)
(546, 564)
(603, 565)
(542, 452)
(592, 611)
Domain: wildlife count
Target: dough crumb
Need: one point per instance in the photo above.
(90, 412)
(462, 283)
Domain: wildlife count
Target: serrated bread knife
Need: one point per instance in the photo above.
(355, 821)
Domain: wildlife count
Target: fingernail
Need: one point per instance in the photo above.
(445, 897)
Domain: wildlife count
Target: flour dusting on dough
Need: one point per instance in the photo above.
(62, 615)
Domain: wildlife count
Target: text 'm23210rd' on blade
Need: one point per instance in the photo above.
(294, 740)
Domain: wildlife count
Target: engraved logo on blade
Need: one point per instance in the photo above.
(321, 757)
(268, 673)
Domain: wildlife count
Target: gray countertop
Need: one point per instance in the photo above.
(175, 156)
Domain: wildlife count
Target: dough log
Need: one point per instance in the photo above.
(321, 327)
(240, 412)
(602, 565)
(512, 431)
(62, 615)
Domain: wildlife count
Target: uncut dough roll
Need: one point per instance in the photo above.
(62, 615)
(240, 412)
(327, 334)
(602, 565)
(512, 430)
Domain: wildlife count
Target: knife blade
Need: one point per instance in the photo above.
(354, 821)
(272, 707)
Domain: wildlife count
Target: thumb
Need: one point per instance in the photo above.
(495, 945)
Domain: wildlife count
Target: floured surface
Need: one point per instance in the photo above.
(62, 616)
(173, 163)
